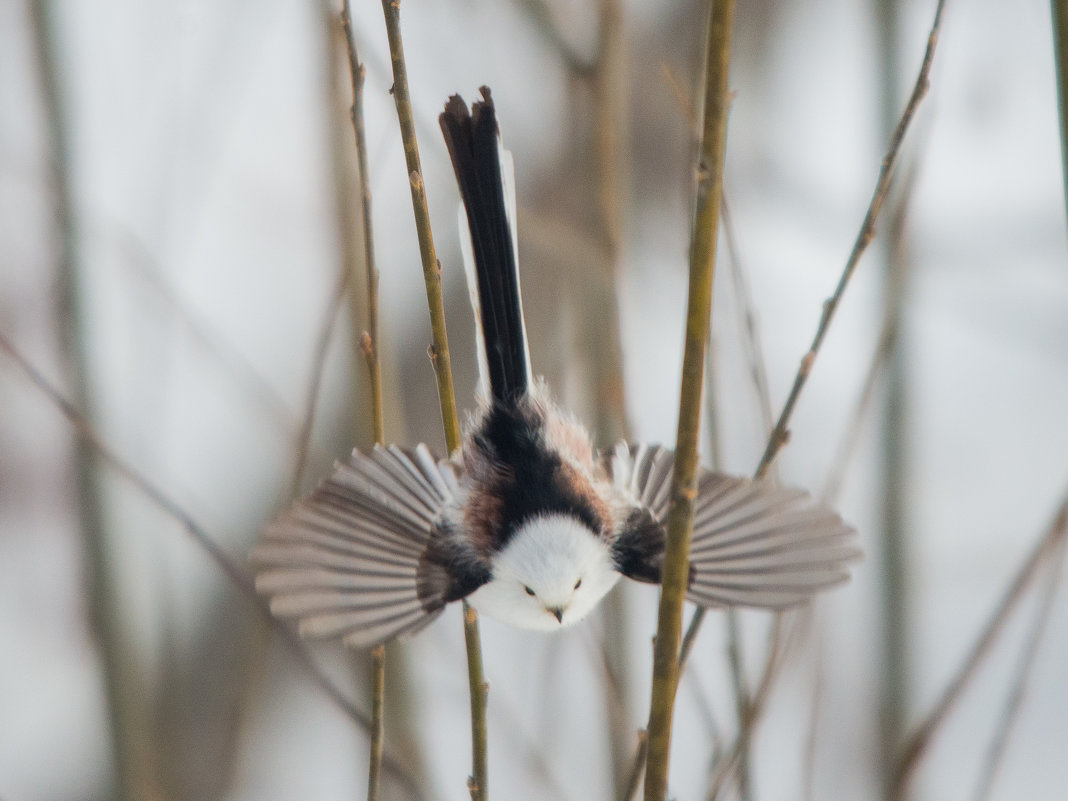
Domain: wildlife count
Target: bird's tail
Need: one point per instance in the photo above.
(486, 178)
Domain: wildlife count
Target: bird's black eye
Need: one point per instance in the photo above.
(578, 584)
(528, 590)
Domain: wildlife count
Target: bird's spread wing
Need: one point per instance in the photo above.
(753, 544)
(363, 556)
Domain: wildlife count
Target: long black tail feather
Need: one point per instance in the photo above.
(472, 139)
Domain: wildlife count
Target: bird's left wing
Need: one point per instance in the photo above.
(365, 556)
(753, 544)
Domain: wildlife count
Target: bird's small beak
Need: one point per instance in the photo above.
(558, 613)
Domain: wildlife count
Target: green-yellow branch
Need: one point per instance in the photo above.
(431, 269)
(684, 481)
(439, 353)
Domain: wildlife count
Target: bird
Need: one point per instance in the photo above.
(527, 521)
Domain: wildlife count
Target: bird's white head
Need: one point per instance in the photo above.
(551, 573)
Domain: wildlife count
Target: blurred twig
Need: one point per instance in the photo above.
(916, 743)
(750, 334)
(779, 434)
(808, 779)
(311, 399)
(138, 256)
(123, 685)
(234, 574)
(786, 632)
(683, 484)
(1059, 10)
(542, 16)
(893, 441)
(478, 783)
(610, 158)
(1013, 702)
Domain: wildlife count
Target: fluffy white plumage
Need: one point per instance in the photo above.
(552, 573)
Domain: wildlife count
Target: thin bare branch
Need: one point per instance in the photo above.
(779, 434)
(916, 743)
(1025, 664)
(234, 574)
(124, 684)
(315, 382)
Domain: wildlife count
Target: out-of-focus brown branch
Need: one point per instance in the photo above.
(542, 16)
(1025, 664)
(916, 743)
(124, 684)
(222, 560)
(311, 398)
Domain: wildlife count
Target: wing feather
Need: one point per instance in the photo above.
(355, 559)
(753, 544)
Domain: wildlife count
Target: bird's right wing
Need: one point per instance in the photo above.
(364, 557)
(754, 544)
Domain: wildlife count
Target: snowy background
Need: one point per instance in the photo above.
(209, 148)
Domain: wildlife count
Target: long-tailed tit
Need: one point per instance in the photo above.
(527, 521)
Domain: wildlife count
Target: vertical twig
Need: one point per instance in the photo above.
(608, 83)
(683, 485)
(609, 90)
(779, 434)
(378, 728)
(315, 382)
(369, 347)
(431, 267)
(439, 350)
(893, 606)
(741, 701)
(122, 684)
(1059, 9)
(369, 340)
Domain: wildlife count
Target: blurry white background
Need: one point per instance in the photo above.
(211, 170)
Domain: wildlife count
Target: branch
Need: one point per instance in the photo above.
(123, 682)
(369, 347)
(439, 349)
(779, 434)
(439, 355)
(234, 574)
(916, 743)
(1024, 666)
(1059, 10)
(684, 480)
